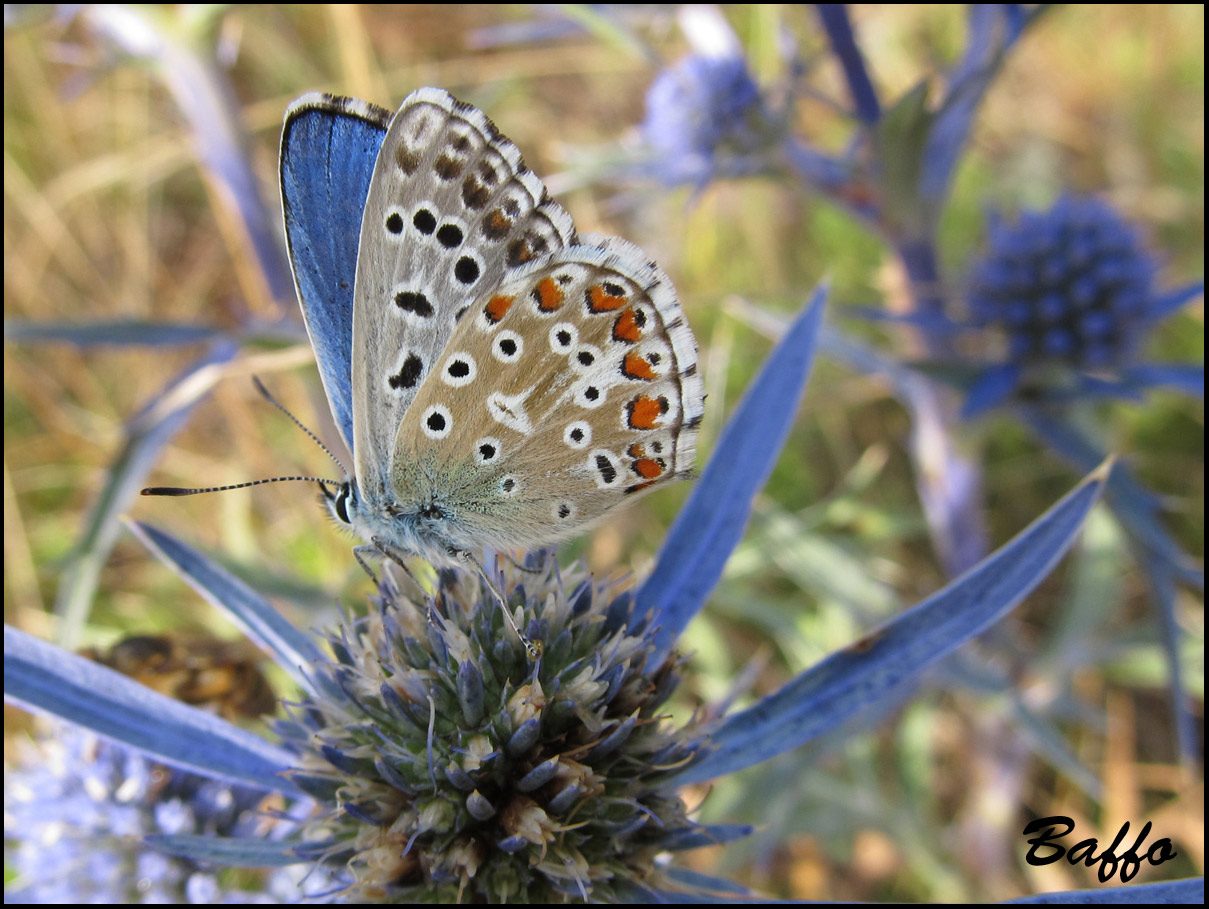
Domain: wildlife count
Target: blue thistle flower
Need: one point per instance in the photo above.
(704, 116)
(76, 810)
(451, 766)
(1072, 287)
(1072, 284)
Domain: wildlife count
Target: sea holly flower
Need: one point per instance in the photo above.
(445, 761)
(1074, 292)
(702, 118)
(705, 114)
(76, 810)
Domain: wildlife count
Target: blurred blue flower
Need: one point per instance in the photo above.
(704, 118)
(76, 810)
(447, 762)
(1074, 288)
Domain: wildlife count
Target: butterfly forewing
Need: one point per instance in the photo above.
(561, 393)
(328, 149)
(451, 209)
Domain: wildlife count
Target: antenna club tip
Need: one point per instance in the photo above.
(163, 491)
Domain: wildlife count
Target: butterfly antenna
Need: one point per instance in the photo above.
(264, 393)
(192, 491)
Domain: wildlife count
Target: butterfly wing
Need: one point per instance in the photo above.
(451, 210)
(561, 394)
(328, 149)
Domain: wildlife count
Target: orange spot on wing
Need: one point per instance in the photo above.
(626, 328)
(636, 451)
(548, 294)
(647, 468)
(636, 367)
(498, 307)
(644, 412)
(599, 300)
(638, 487)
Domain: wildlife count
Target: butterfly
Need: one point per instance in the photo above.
(501, 381)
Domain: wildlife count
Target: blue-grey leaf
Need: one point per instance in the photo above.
(1186, 892)
(230, 852)
(47, 679)
(705, 835)
(1136, 507)
(147, 432)
(862, 675)
(110, 333)
(1174, 300)
(711, 523)
(292, 649)
(991, 389)
(1186, 377)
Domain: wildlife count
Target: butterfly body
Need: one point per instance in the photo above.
(501, 380)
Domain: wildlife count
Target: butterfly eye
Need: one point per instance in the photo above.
(340, 503)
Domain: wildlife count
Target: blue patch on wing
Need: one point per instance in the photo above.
(328, 150)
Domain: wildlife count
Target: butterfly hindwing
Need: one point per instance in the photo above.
(451, 210)
(329, 146)
(561, 393)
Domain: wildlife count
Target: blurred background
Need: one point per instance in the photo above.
(119, 214)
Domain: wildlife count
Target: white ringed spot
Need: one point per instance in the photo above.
(507, 346)
(585, 358)
(589, 394)
(487, 450)
(436, 422)
(578, 434)
(460, 369)
(563, 337)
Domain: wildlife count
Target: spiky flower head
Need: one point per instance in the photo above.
(459, 767)
(698, 110)
(1072, 284)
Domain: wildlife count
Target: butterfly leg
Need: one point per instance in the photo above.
(541, 554)
(533, 647)
(359, 553)
(393, 553)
